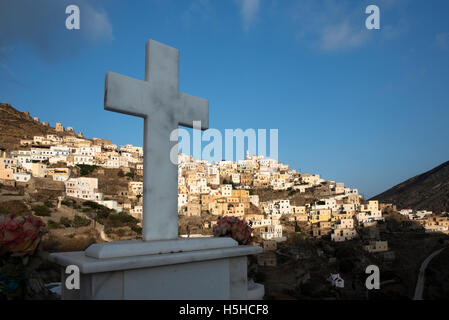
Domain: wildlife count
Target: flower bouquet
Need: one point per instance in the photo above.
(235, 228)
(19, 239)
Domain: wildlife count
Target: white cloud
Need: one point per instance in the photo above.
(341, 36)
(40, 25)
(330, 25)
(248, 10)
(98, 24)
(336, 25)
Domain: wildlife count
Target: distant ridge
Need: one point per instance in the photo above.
(16, 125)
(429, 190)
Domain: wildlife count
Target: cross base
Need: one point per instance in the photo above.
(119, 249)
(185, 269)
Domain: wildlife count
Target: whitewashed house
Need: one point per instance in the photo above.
(21, 177)
(83, 188)
(136, 187)
(182, 199)
(336, 280)
(136, 212)
(226, 190)
(272, 232)
(111, 204)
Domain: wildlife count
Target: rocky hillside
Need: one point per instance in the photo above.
(429, 190)
(16, 125)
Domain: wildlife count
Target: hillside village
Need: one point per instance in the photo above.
(278, 202)
(226, 188)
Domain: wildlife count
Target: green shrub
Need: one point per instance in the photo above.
(102, 216)
(79, 221)
(41, 211)
(116, 220)
(86, 169)
(48, 204)
(65, 222)
(136, 229)
(132, 174)
(52, 225)
(92, 204)
(66, 203)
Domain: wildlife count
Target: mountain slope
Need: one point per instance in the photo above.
(16, 125)
(429, 190)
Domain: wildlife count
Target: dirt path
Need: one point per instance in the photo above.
(70, 213)
(5, 197)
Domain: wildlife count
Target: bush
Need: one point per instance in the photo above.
(92, 204)
(52, 225)
(41, 211)
(121, 219)
(86, 169)
(65, 222)
(67, 203)
(79, 221)
(131, 174)
(136, 229)
(48, 204)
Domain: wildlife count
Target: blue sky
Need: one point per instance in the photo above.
(364, 107)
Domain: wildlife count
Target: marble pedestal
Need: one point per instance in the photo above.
(184, 269)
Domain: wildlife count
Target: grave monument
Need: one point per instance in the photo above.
(161, 265)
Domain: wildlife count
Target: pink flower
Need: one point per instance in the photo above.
(238, 229)
(19, 236)
(12, 225)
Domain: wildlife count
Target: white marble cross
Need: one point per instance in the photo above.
(163, 107)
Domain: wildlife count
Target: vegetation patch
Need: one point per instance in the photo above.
(86, 169)
(41, 211)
